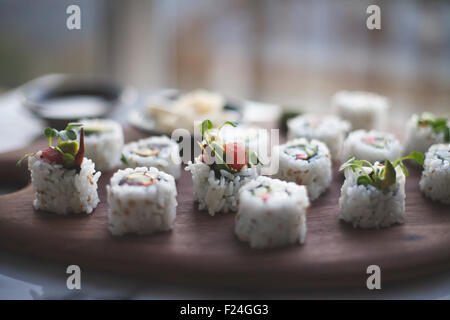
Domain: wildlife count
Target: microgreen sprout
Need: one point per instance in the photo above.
(19, 163)
(416, 156)
(67, 134)
(70, 152)
(124, 159)
(50, 133)
(437, 124)
(380, 177)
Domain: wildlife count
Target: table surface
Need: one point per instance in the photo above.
(23, 277)
(26, 278)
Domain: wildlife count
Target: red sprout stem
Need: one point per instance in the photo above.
(80, 154)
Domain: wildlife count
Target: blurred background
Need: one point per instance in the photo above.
(289, 52)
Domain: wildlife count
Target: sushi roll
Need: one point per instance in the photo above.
(104, 142)
(220, 171)
(141, 201)
(159, 152)
(373, 195)
(435, 180)
(64, 181)
(424, 131)
(305, 162)
(329, 129)
(364, 110)
(272, 213)
(371, 146)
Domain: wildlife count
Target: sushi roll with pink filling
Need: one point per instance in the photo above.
(329, 129)
(371, 146)
(305, 162)
(272, 213)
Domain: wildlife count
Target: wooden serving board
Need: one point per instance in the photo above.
(204, 250)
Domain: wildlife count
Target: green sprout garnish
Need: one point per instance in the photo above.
(416, 156)
(213, 145)
(381, 178)
(437, 124)
(252, 158)
(205, 127)
(50, 133)
(71, 153)
(26, 156)
(309, 150)
(69, 147)
(124, 159)
(67, 134)
(66, 144)
(68, 159)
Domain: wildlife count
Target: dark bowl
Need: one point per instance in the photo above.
(63, 98)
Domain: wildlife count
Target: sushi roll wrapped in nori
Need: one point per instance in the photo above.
(141, 200)
(221, 170)
(426, 130)
(64, 180)
(364, 110)
(305, 162)
(104, 142)
(160, 152)
(373, 195)
(329, 129)
(371, 146)
(435, 180)
(272, 213)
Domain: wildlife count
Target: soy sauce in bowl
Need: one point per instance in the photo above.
(60, 99)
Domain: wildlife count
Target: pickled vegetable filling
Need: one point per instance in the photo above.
(313, 123)
(262, 192)
(302, 151)
(151, 150)
(376, 142)
(139, 179)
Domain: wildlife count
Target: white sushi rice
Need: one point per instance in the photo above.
(327, 128)
(61, 190)
(167, 158)
(141, 209)
(314, 173)
(369, 207)
(420, 138)
(103, 148)
(364, 110)
(218, 194)
(275, 219)
(435, 180)
(355, 145)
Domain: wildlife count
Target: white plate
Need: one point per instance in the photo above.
(250, 113)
